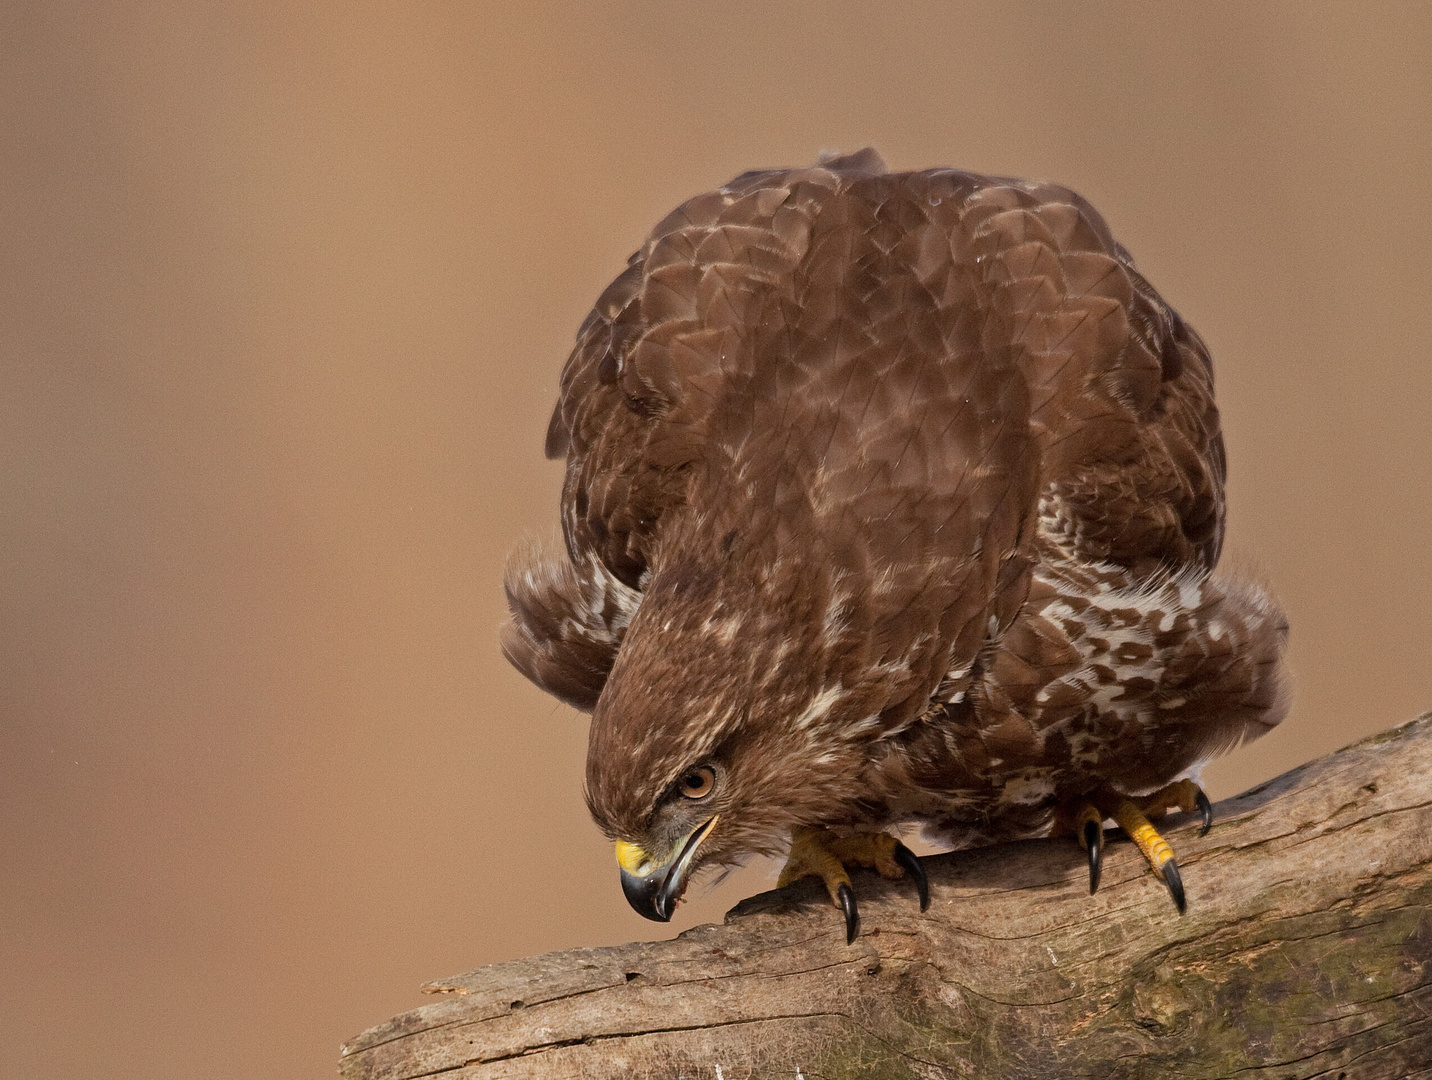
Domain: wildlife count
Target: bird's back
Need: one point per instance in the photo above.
(944, 403)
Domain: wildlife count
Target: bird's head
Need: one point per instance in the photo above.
(718, 732)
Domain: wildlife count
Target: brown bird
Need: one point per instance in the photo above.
(891, 498)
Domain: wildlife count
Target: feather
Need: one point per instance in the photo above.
(896, 496)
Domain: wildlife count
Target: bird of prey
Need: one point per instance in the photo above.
(891, 499)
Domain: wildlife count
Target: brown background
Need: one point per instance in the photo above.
(284, 291)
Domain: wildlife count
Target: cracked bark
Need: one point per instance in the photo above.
(1306, 953)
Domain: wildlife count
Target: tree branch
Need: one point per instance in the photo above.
(1306, 952)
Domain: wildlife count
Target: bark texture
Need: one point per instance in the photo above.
(1306, 952)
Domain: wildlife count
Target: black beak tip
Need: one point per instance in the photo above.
(654, 895)
(646, 896)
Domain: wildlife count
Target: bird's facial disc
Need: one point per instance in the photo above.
(652, 887)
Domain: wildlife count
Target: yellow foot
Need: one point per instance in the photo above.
(1132, 815)
(820, 853)
(1182, 795)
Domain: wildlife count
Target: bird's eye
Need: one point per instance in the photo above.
(697, 784)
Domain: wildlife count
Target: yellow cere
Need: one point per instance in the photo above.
(631, 857)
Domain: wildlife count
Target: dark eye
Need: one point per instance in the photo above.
(697, 784)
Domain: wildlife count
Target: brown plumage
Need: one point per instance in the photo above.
(890, 498)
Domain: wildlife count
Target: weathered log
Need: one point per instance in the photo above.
(1306, 952)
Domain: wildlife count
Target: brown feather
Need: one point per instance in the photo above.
(897, 496)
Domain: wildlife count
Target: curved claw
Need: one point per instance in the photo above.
(1174, 880)
(846, 895)
(1206, 809)
(910, 863)
(1094, 844)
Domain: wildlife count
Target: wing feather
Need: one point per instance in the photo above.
(896, 377)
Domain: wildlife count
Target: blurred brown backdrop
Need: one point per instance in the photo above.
(284, 291)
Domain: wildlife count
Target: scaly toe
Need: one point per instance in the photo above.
(816, 853)
(875, 850)
(811, 856)
(1155, 848)
(1182, 795)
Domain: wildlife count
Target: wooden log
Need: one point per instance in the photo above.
(1306, 952)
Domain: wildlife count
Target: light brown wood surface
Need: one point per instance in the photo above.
(1306, 953)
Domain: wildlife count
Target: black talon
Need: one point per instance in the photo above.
(1094, 843)
(1174, 881)
(852, 913)
(1206, 809)
(911, 865)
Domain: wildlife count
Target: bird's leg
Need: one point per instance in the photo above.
(1132, 815)
(820, 853)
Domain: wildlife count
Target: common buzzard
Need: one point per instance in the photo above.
(891, 498)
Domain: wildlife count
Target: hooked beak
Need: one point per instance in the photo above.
(652, 888)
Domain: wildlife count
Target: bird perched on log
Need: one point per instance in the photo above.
(891, 499)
